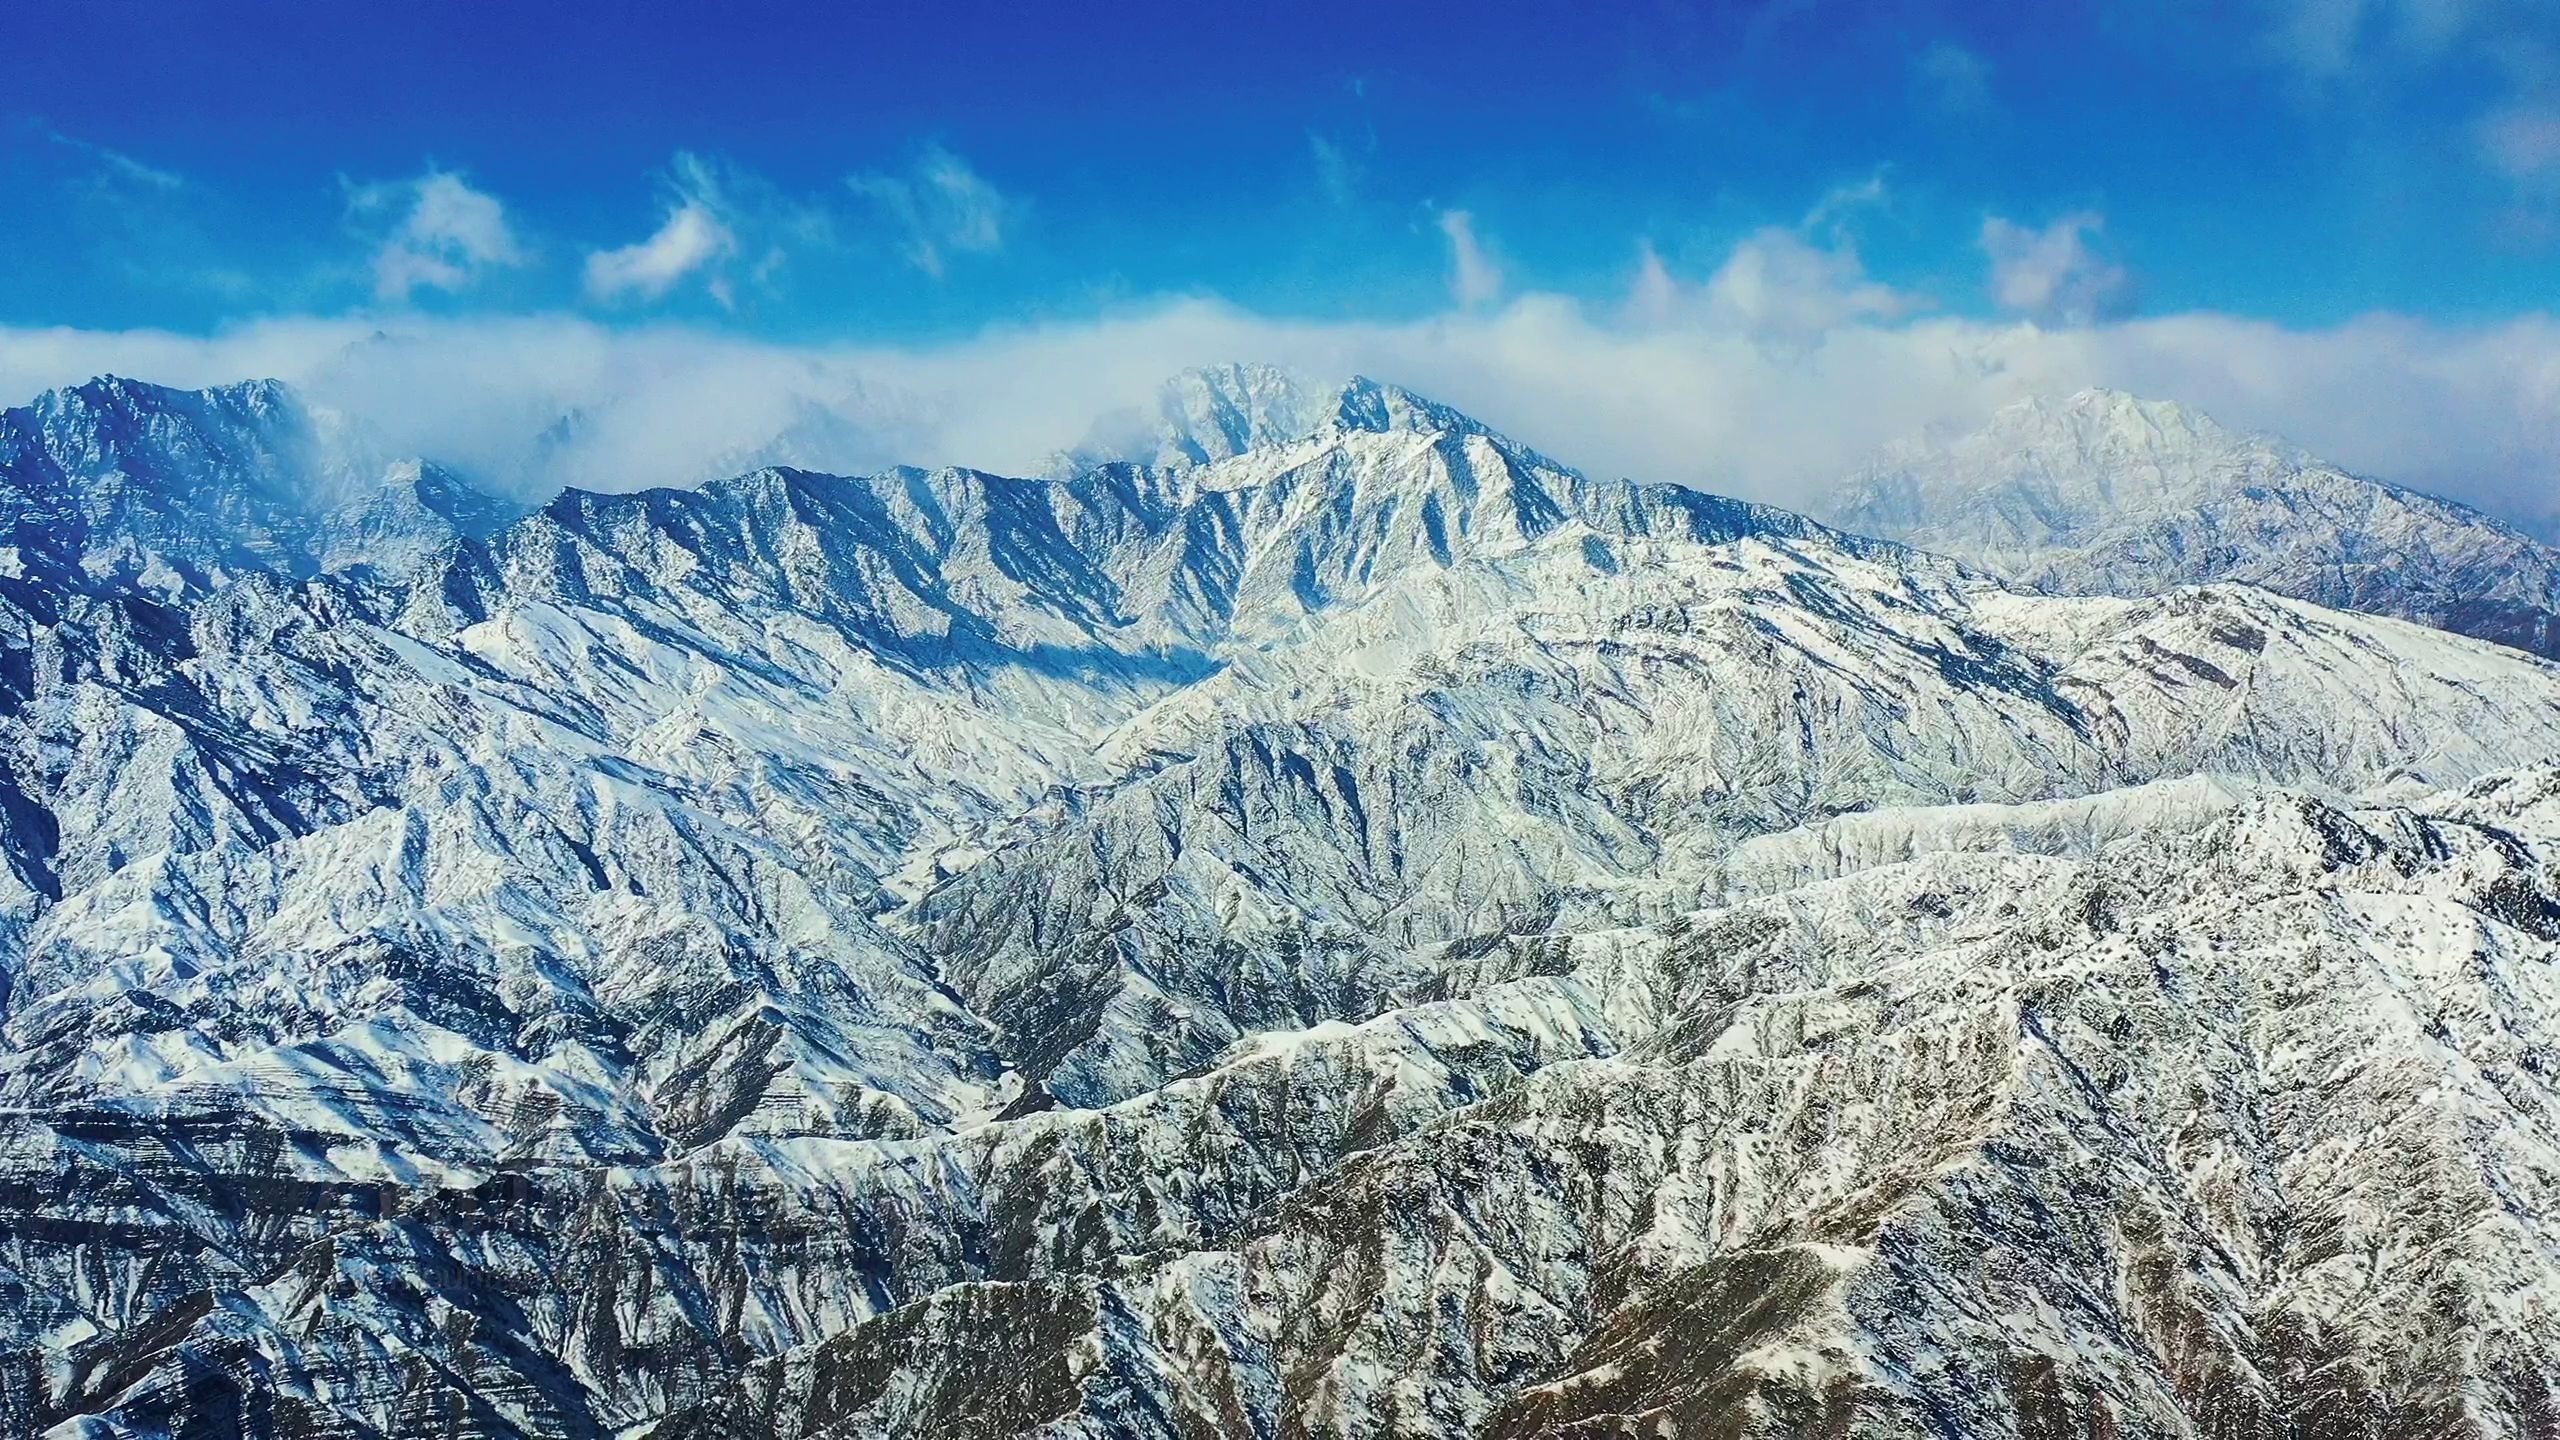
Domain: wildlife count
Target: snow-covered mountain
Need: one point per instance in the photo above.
(2103, 493)
(1341, 925)
(1216, 413)
(168, 492)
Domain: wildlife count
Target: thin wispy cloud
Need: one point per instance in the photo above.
(693, 240)
(442, 234)
(2523, 144)
(2494, 62)
(2470, 411)
(1781, 286)
(1952, 79)
(1337, 174)
(1343, 152)
(938, 207)
(1842, 202)
(118, 166)
(2055, 275)
(2327, 40)
(1475, 276)
(151, 229)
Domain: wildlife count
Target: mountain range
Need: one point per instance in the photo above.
(1313, 918)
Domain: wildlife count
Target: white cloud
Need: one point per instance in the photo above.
(1779, 288)
(2330, 40)
(2316, 37)
(939, 205)
(2054, 275)
(445, 236)
(1843, 201)
(2494, 63)
(1475, 277)
(694, 239)
(2471, 411)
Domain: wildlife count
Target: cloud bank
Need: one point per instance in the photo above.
(1699, 398)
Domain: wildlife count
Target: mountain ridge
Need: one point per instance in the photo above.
(2103, 493)
(176, 491)
(1374, 932)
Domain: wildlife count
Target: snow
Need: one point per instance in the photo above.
(2104, 493)
(1316, 918)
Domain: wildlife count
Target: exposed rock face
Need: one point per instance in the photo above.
(1361, 931)
(2106, 494)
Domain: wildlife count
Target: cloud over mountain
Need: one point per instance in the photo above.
(2469, 411)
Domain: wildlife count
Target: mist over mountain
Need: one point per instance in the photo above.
(1311, 917)
(2104, 493)
(2454, 411)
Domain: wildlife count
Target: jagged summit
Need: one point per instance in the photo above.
(173, 490)
(1361, 403)
(2120, 412)
(1225, 410)
(109, 394)
(1219, 412)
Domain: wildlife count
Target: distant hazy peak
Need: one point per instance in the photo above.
(2102, 492)
(2099, 422)
(2060, 463)
(2089, 426)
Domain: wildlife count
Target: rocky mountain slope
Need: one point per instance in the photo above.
(2103, 493)
(1358, 929)
(167, 493)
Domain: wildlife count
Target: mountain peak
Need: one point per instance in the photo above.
(1217, 412)
(1220, 411)
(2102, 491)
(2098, 420)
(1361, 403)
(111, 391)
(174, 490)
(2071, 459)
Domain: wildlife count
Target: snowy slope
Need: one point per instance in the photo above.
(2103, 493)
(167, 492)
(1339, 924)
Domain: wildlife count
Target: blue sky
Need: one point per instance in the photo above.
(1728, 244)
(901, 171)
